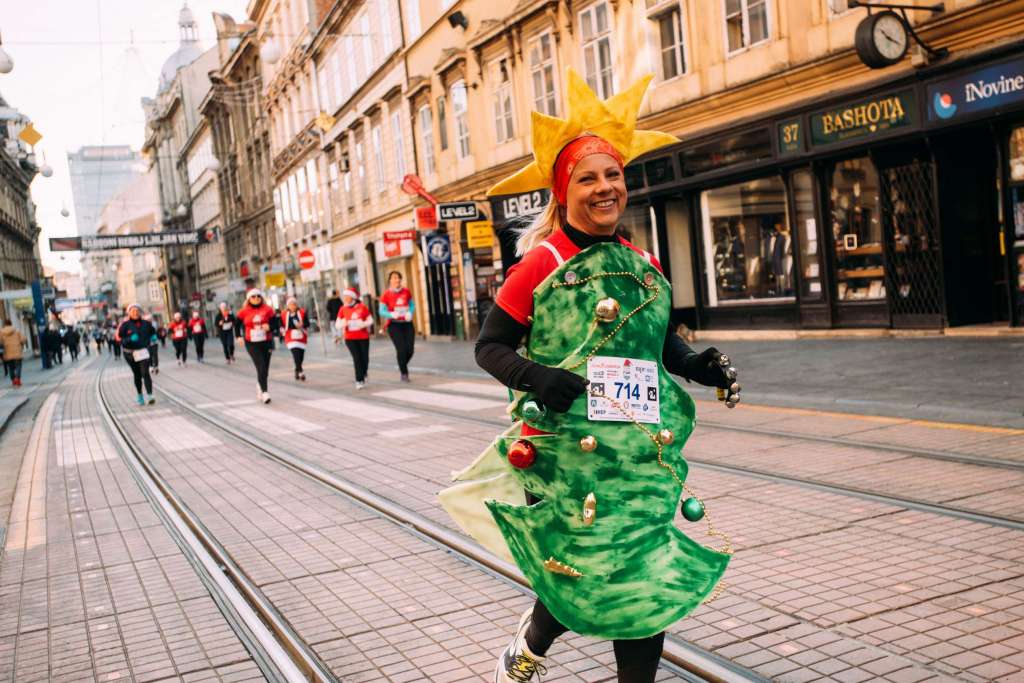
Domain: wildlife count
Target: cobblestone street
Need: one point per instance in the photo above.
(867, 548)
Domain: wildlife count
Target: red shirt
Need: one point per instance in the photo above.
(347, 314)
(197, 326)
(179, 329)
(516, 294)
(398, 304)
(297, 334)
(253, 318)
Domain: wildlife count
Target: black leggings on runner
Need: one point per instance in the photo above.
(140, 374)
(360, 350)
(298, 355)
(200, 343)
(154, 356)
(636, 660)
(260, 354)
(181, 349)
(403, 336)
(227, 340)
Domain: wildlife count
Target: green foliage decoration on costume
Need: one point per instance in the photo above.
(639, 573)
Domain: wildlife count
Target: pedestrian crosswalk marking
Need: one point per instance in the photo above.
(437, 399)
(357, 409)
(413, 431)
(491, 390)
(271, 421)
(176, 433)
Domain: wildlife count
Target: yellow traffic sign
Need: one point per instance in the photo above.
(479, 234)
(273, 279)
(29, 135)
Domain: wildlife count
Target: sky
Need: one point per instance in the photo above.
(80, 70)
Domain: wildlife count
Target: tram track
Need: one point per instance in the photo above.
(687, 660)
(764, 475)
(278, 651)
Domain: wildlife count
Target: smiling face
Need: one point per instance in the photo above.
(596, 195)
(255, 300)
(134, 313)
(292, 306)
(395, 281)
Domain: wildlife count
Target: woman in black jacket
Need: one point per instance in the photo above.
(225, 322)
(135, 334)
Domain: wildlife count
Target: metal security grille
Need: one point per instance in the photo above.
(912, 252)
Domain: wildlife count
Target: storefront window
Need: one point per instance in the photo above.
(1017, 183)
(805, 223)
(857, 231)
(748, 245)
(637, 226)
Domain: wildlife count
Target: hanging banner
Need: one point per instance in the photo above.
(426, 218)
(517, 207)
(146, 240)
(398, 243)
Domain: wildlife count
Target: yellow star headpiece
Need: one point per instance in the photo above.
(613, 119)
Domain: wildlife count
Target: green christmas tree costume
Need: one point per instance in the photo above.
(621, 570)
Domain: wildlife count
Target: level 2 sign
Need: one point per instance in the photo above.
(457, 211)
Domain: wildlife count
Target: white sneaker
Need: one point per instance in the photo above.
(360, 385)
(517, 664)
(265, 397)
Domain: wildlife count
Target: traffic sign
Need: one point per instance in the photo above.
(306, 259)
(457, 211)
(439, 249)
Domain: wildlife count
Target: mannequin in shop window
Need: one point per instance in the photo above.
(782, 259)
(731, 259)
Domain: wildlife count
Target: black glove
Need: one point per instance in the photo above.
(556, 388)
(704, 368)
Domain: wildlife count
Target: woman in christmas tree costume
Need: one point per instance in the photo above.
(582, 491)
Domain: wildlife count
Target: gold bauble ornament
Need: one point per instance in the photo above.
(588, 444)
(666, 437)
(607, 310)
(589, 509)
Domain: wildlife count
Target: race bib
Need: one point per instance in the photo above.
(258, 334)
(197, 329)
(178, 334)
(296, 335)
(402, 313)
(140, 355)
(227, 326)
(622, 390)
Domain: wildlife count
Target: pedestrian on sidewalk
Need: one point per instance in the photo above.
(601, 550)
(225, 323)
(294, 324)
(161, 333)
(14, 344)
(397, 308)
(73, 341)
(258, 322)
(154, 348)
(135, 335)
(179, 338)
(197, 329)
(334, 305)
(354, 320)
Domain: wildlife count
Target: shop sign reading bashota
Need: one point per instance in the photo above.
(864, 118)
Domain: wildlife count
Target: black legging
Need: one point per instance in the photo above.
(260, 354)
(227, 340)
(298, 355)
(114, 344)
(360, 350)
(403, 337)
(140, 373)
(181, 349)
(200, 343)
(154, 356)
(636, 660)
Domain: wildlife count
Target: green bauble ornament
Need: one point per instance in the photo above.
(693, 510)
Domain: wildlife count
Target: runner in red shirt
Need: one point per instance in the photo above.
(179, 338)
(197, 330)
(293, 330)
(258, 325)
(355, 321)
(396, 309)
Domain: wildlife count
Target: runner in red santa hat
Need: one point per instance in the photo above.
(294, 324)
(179, 338)
(354, 321)
(258, 326)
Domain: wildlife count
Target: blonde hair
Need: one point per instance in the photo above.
(549, 220)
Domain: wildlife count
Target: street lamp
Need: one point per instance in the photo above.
(6, 63)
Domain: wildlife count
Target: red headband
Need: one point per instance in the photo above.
(571, 155)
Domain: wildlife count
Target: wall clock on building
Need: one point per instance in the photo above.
(882, 39)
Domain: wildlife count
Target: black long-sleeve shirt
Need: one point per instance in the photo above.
(502, 334)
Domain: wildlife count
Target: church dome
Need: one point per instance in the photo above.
(188, 50)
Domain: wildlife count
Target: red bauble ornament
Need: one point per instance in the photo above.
(521, 454)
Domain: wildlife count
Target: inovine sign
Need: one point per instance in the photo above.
(997, 86)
